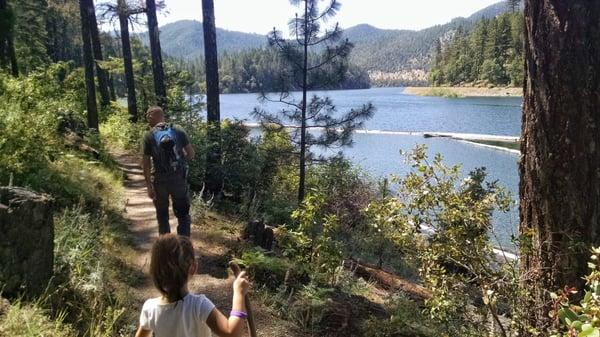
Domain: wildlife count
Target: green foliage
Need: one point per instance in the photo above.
(28, 143)
(118, 131)
(455, 252)
(583, 318)
(406, 320)
(85, 282)
(311, 242)
(492, 52)
(258, 70)
(266, 269)
(38, 322)
(31, 34)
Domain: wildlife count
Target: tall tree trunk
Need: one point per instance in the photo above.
(157, 65)
(301, 187)
(3, 36)
(560, 175)
(127, 61)
(214, 177)
(88, 62)
(103, 79)
(3, 53)
(7, 48)
(14, 66)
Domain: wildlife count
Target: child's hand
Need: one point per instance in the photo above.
(241, 284)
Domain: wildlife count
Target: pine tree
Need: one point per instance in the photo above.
(157, 63)
(560, 181)
(64, 36)
(123, 12)
(88, 61)
(514, 5)
(30, 34)
(214, 176)
(308, 71)
(7, 47)
(103, 78)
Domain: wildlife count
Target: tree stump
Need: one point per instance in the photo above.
(26, 242)
(259, 234)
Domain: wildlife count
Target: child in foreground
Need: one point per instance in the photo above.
(178, 313)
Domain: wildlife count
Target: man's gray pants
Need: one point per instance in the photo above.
(176, 187)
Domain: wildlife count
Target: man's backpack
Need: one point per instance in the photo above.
(169, 151)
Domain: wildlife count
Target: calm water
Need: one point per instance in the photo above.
(379, 154)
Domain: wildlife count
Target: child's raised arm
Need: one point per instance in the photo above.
(232, 327)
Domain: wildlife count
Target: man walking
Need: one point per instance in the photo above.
(166, 151)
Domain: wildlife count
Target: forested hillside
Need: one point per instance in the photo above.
(184, 39)
(258, 69)
(492, 53)
(391, 57)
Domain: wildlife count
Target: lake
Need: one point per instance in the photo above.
(379, 153)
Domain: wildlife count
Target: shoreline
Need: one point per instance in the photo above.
(458, 92)
(503, 143)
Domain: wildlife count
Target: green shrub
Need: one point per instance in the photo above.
(406, 319)
(85, 282)
(31, 320)
(457, 253)
(266, 269)
(582, 319)
(117, 130)
(310, 241)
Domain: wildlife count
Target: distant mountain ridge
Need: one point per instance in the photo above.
(397, 54)
(185, 39)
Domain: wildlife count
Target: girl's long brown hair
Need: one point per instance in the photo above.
(172, 257)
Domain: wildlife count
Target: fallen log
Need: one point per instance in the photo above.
(387, 280)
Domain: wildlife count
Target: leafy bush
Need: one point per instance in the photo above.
(406, 319)
(266, 269)
(310, 242)
(29, 121)
(582, 319)
(455, 253)
(117, 130)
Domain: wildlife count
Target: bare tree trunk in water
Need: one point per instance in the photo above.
(560, 164)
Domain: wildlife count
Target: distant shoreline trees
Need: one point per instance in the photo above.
(492, 53)
(255, 70)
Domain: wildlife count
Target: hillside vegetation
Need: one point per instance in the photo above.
(390, 56)
(492, 53)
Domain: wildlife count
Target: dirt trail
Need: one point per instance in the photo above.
(211, 244)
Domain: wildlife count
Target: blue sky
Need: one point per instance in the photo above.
(260, 16)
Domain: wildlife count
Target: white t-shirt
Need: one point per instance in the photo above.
(186, 318)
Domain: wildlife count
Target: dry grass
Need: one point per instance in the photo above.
(455, 92)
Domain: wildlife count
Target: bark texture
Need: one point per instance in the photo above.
(157, 65)
(214, 177)
(27, 242)
(127, 61)
(560, 164)
(88, 62)
(103, 78)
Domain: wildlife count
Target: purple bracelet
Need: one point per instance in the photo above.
(239, 314)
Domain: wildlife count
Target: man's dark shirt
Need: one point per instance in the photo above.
(151, 148)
